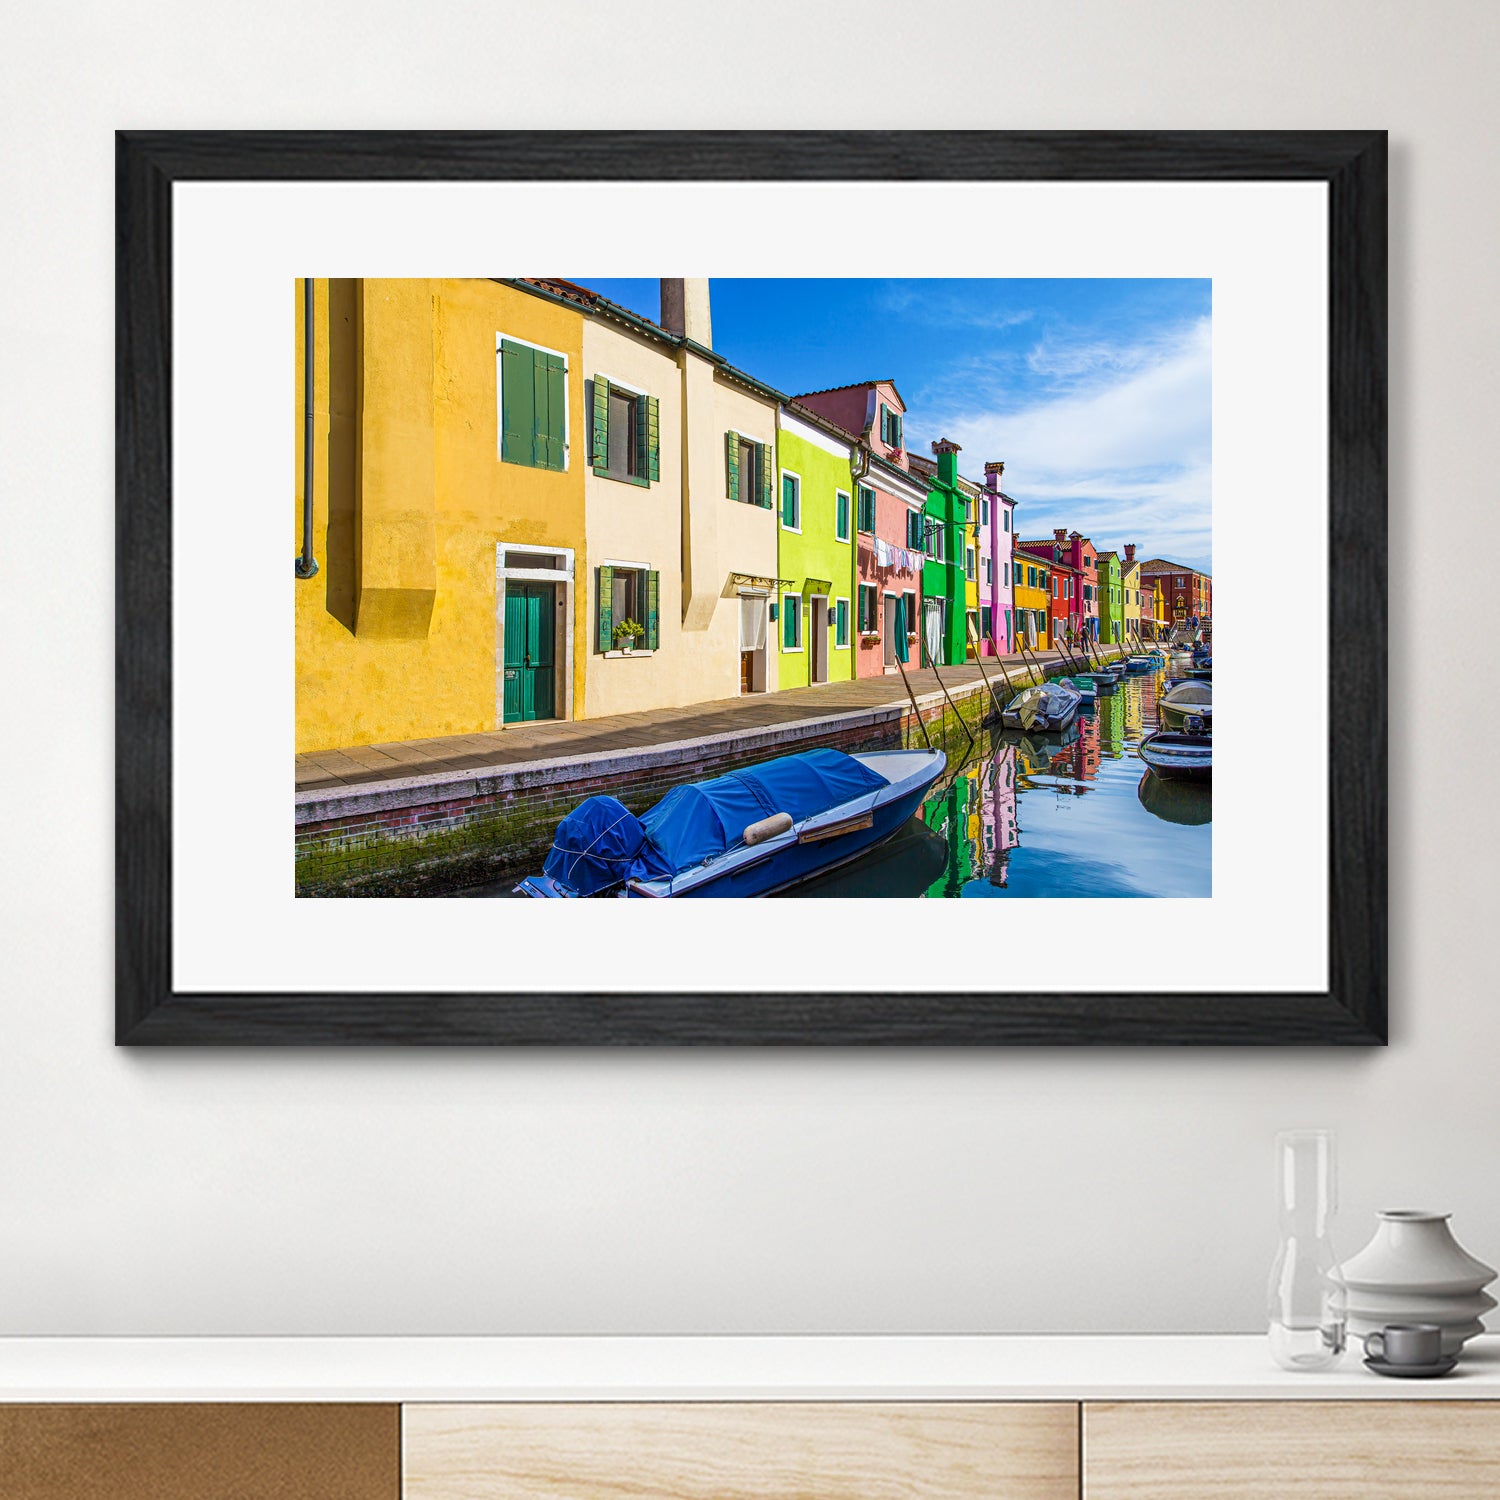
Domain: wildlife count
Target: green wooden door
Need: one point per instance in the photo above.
(530, 635)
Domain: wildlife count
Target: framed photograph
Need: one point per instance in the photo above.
(519, 643)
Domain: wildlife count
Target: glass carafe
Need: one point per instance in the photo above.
(1306, 1302)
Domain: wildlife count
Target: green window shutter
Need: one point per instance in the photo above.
(600, 426)
(765, 474)
(606, 589)
(842, 626)
(732, 464)
(517, 400)
(895, 429)
(642, 438)
(788, 493)
(653, 599)
(653, 439)
(789, 608)
(841, 516)
(555, 433)
(885, 423)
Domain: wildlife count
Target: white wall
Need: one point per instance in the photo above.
(265, 1191)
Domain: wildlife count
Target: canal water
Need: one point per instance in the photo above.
(1076, 814)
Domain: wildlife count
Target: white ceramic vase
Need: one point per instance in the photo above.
(1414, 1270)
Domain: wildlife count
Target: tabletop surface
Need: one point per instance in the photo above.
(704, 1368)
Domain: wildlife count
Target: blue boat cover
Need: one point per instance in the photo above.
(599, 844)
(694, 823)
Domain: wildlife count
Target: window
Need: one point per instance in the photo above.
(865, 513)
(1007, 527)
(533, 395)
(989, 571)
(1030, 576)
(890, 426)
(968, 508)
(791, 622)
(936, 549)
(986, 621)
(1088, 561)
(748, 470)
(626, 593)
(984, 510)
(869, 619)
(626, 434)
(1041, 579)
(910, 600)
(841, 621)
(914, 531)
(841, 515)
(1088, 594)
(1056, 591)
(791, 501)
(969, 563)
(1018, 572)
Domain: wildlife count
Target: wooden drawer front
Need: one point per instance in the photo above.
(741, 1451)
(244, 1451)
(1291, 1450)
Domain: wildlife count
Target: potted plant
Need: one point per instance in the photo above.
(627, 633)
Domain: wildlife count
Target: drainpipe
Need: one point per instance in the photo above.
(307, 564)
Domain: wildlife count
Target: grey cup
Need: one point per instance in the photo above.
(1406, 1344)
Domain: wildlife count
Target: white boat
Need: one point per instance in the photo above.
(1049, 707)
(1187, 705)
(1185, 757)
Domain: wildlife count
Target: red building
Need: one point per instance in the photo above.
(1073, 557)
(1062, 582)
(1187, 593)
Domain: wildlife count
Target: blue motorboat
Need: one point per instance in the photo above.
(748, 833)
(1139, 665)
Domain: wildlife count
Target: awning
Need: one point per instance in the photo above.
(759, 581)
(817, 586)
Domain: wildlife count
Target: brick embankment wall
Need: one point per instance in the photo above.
(435, 835)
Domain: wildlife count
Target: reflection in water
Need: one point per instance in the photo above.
(905, 865)
(1068, 815)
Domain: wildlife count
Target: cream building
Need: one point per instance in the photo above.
(678, 510)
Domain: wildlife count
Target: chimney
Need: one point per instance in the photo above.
(684, 309)
(992, 474)
(947, 462)
(1060, 535)
(1129, 553)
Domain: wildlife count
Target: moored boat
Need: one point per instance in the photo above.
(1185, 757)
(1202, 670)
(1189, 803)
(1138, 665)
(1083, 685)
(1187, 705)
(1049, 706)
(748, 833)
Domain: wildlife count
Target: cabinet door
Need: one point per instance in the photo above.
(1291, 1450)
(741, 1451)
(245, 1451)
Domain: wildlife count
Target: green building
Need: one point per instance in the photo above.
(1111, 599)
(814, 552)
(944, 587)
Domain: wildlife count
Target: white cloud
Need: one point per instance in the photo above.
(1120, 448)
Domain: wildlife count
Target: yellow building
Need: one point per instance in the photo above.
(1033, 601)
(972, 630)
(1130, 585)
(449, 451)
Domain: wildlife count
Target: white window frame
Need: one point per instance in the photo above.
(848, 515)
(859, 629)
(500, 337)
(839, 599)
(801, 645)
(644, 570)
(780, 500)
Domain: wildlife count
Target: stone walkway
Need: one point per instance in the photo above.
(360, 765)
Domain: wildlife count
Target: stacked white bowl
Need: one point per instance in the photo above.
(1414, 1271)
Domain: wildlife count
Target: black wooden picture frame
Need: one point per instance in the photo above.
(1353, 1008)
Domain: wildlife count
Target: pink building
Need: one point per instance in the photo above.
(888, 506)
(1002, 546)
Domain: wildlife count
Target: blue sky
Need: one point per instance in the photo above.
(1095, 393)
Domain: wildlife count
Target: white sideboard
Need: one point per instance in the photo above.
(734, 1418)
